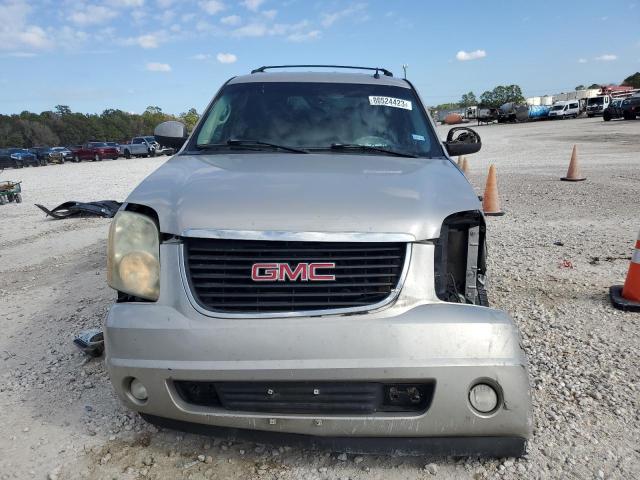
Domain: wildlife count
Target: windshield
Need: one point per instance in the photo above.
(595, 101)
(98, 144)
(557, 107)
(150, 139)
(318, 115)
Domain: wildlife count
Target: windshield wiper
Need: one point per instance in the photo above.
(233, 142)
(370, 148)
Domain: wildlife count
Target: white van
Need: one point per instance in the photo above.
(565, 109)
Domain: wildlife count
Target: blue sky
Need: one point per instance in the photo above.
(127, 54)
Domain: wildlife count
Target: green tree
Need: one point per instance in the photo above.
(468, 100)
(62, 110)
(579, 87)
(502, 94)
(190, 118)
(632, 80)
(594, 85)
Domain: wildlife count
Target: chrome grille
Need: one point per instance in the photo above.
(219, 274)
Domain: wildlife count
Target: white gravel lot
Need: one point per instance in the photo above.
(553, 257)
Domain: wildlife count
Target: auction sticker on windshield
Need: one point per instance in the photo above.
(390, 102)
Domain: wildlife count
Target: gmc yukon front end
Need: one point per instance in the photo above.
(312, 264)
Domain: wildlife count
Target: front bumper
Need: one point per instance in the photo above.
(454, 345)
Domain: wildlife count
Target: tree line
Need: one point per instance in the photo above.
(61, 126)
(512, 93)
(491, 98)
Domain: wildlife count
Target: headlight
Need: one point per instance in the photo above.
(133, 256)
(15, 156)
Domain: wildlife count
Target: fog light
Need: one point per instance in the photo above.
(138, 390)
(483, 398)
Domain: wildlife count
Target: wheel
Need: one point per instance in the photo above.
(606, 116)
(76, 158)
(127, 154)
(97, 158)
(18, 198)
(152, 153)
(3, 200)
(589, 115)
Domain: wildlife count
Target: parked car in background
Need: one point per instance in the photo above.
(94, 151)
(614, 110)
(565, 109)
(597, 105)
(42, 154)
(140, 147)
(17, 158)
(115, 145)
(630, 108)
(67, 155)
(48, 155)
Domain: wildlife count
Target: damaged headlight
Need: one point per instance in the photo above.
(133, 255)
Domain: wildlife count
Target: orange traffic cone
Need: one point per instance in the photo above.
(491, 199)
(465, 166)
(627, 297)
(573, 174)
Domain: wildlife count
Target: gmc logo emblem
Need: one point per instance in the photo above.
(280, 272)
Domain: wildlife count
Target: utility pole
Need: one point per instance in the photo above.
(404, 67)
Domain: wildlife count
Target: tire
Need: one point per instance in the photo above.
(97, 158)
(18, 198)
(3, 200)
(76, 158)
(589, 115)
(127, 154)
(606, 116)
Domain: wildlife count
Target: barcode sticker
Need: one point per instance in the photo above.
(390, 102)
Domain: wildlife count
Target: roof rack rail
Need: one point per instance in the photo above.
(386, 72)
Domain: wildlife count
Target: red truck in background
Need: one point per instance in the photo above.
(94, 151)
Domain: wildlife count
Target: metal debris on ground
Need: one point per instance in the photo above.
(103, 208)
(90, 341)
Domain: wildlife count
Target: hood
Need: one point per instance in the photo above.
(306, 193)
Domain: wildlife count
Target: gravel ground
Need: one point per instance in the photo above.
(552, 258)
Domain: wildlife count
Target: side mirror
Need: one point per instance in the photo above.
(171, 134)
(462, 141)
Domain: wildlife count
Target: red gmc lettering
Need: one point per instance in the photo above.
(313, 276)
(280, 272)
(264, 272)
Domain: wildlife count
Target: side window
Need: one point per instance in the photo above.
(137, 140)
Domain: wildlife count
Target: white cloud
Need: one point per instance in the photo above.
(158, 67)
(212, 6)
(607, 57)
(251, 30)
(226, 58)
(582, 60)
(150, 40)
(126, 3)
(201, 56)
(303, 37)
(15, 30)
(232, 20)
(270, 14)
(329, 19)
(252, 5)
(476, 54)
(147, 41)
(22, 54)
(164, 3)
(92, 15)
